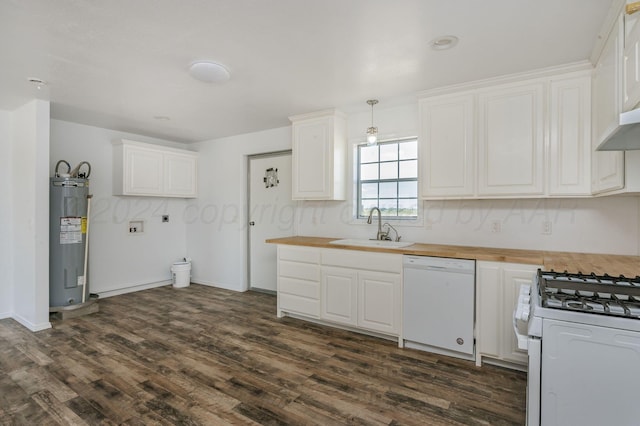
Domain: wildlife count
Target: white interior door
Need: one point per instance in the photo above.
(271, 215)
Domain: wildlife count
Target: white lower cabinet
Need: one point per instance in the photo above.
(379, 295)
(299, 281)
(365, 299)
(358, 289)
(497, 286)
(340, 295)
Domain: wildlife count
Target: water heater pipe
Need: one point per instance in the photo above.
(86, 250)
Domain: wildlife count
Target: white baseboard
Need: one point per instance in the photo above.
(217, 285)
(31, 326)
(4, 315)
(131, 289)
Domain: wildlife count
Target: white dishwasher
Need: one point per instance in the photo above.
(438, 305)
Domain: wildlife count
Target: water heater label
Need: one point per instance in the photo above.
(70, 230)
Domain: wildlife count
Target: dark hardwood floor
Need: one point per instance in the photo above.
(201, 355)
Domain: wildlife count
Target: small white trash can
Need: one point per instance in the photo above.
(181, 273)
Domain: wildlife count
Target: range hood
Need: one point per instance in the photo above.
(627, 136)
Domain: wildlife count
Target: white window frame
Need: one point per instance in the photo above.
(354, 196)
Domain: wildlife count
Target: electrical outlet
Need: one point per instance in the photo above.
(165, 218)
(546, 227)
(496, 226)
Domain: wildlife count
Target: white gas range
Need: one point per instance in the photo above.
(582, 335)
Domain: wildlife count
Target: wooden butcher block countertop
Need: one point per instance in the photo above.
(559, 261)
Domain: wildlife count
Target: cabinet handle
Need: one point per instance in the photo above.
(252, 223)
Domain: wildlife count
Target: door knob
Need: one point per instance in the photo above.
(252, 223)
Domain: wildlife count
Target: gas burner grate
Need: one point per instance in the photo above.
(590, 293)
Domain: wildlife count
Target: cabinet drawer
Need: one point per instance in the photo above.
(297, 304)
(304, 271)
(299, 254)
(384, 262)
(309, 289)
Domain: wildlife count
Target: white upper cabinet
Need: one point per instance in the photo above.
(511, 140)
(570, 135)
(447, 146)
(607, 171)
(180, 179)
(319, 156)
(527, 138)
(143, 169)
(631, 64)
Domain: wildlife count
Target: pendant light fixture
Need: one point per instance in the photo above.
(372, 132)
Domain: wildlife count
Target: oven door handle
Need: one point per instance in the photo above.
(523, 339)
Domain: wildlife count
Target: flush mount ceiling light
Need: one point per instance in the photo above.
(209, 72)
(444, 42)
(38, 82)
(372, 132)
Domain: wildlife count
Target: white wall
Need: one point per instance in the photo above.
(120, 262)
(216, 221)
(30, 202)
(6, 216)
(216, 235)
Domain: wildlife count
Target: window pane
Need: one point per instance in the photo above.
(389, 207)
(367, 205)
(389, 152)
(408, 150)
(388, 179)
(368, 154)
(369, 171)
(409, 169)
(408, 207)
(388, 189)
(370, 190)
(408, 189)
(388, 170)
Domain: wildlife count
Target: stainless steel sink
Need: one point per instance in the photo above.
(371, 243)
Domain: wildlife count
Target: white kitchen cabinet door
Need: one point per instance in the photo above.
(607, 168)
(447, 146)
(607, 89)
(570, 136)
(489, 302)
(379, 302)
(319, 156)
(514, 276)
(631, 69)
(497, 286)
(340, 295)
(511, 140)
(143, 171)
(180, 173)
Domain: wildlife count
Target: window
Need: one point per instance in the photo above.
(388, 179)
